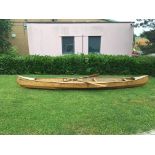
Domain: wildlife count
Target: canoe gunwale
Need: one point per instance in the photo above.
(71, 82)
(39, 83)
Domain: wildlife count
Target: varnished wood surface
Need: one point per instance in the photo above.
(81, 83)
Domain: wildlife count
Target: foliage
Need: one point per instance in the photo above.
(12, 51)
(5, 29)
(77, 64)
(150, 48)
(150, 34)
(149, 23)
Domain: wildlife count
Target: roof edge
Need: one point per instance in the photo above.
(76, 22)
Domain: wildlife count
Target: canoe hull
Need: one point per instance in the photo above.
(32, 83)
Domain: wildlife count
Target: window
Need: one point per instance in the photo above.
(67, 45)
(94, 44)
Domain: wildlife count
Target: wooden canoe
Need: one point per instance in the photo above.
(89, 82)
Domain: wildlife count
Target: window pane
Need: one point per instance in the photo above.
(94, 44)
(67, 45)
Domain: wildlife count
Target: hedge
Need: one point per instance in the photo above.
(78, 64)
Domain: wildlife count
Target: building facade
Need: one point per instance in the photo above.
(73, 37)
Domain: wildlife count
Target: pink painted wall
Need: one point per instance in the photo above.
(45, 39)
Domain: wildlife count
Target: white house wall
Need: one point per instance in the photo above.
(45, 39)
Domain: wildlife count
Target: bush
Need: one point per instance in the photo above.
(5, 30)
(12, 51)
(77, 64)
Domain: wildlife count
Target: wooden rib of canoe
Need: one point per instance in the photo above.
(88, 82)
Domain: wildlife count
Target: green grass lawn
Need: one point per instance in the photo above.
(32, 111)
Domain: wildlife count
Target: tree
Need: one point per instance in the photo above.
(145, 23)
(5, 29)
(150, 48)
(150, 35)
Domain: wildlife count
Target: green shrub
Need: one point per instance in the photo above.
(5, 30)
(77, 64)
(12, 51)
